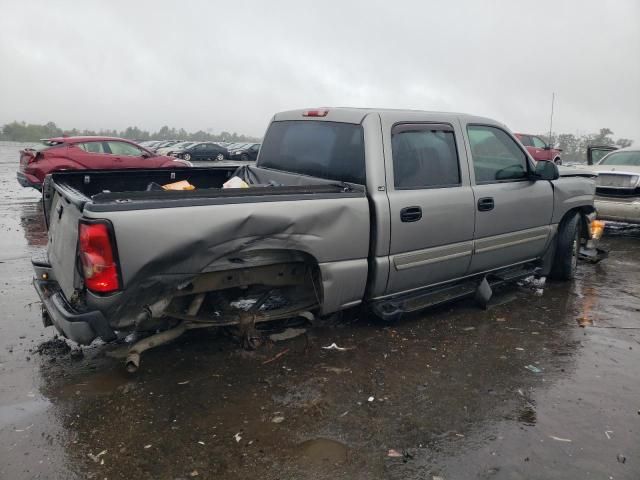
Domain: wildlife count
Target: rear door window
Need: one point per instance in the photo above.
(330, 150)
(526, 140)
(92, 147)
(496, 156)
(424, 156)
(125, 149)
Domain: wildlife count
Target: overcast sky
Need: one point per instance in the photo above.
(231, 65)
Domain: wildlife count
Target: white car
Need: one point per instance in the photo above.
(618, 185)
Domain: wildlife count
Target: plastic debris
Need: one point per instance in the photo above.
(200, 442)
(277, 420)
(333, 346)
(96, 458)
(533, 368)
(194, 473)
(183, 383)
(608, 434)
(235, 182)
(146, 447)
(237, 437)
(370, 399)
(181, 185)
(520, 349)
(468, 329)
(621, 458)
(394, 453)
(559, 439)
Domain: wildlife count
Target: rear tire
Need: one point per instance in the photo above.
(557, 161)
(565, 262)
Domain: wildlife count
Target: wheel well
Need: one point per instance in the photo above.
(584, 212)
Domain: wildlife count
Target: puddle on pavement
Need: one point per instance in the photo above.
(321, 450)
(101, 383)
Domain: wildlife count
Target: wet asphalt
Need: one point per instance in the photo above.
(518, 391)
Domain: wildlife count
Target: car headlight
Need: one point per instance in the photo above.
(237, 153)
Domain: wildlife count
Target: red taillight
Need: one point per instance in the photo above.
(98, 258)
(321, 112)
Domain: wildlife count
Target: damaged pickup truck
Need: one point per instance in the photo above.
(386, 209)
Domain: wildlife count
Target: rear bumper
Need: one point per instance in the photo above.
(627, 211)
(83, 327)
(27, 180)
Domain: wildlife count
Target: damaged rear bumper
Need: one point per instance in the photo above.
(81, 327)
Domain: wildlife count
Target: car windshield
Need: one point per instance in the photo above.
(322, 149)
(629, 159)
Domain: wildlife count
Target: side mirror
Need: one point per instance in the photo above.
(546, 171)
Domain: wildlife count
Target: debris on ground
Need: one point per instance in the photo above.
(237, 437)
(275, 357)
(394, 453)
(183, 383)
(277, 420)
(621, 458)
(96, 458)
(559, 439)
(533, 368)
(608, 434)
(370, 399)
(584, 322)
(336, 370)
(333, 346)
(287, 334)
(55, 346)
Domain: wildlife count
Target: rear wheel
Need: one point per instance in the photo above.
(219, 157)
(565, 262)
(557, 161)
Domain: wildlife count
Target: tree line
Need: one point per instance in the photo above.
(574, 147)
(30, 132)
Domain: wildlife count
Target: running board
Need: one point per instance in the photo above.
(391, 309)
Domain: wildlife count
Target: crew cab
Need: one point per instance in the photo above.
(539, 149)
(389, 210)
(89, 152)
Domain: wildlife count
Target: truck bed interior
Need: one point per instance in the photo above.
(117, 186)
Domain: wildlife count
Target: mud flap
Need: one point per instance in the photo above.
(483, 293)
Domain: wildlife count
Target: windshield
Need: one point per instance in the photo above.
(322, 149)
(629, 159)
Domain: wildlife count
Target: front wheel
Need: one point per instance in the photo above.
(187, 156)
(219, 157)
(557, 161)
(565, 262)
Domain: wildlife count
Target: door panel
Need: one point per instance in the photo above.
(431, 206)
(513, 214)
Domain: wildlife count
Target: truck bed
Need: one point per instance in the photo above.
(168, 239)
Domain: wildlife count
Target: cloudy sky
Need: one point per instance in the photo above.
(230, 65)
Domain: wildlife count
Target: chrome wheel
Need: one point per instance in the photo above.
(187, 156)
(219, 157)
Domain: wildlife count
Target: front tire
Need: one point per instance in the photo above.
(219, 157)
(565, 262)
(187, 156)
(557, 161)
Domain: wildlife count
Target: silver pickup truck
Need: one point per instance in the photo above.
(387, 209)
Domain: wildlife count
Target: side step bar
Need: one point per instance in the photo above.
(391, 309)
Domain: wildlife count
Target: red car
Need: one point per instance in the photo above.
(87, 153)
(539, 149)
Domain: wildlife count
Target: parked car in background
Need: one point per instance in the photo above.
(539, 149)
(618, 183)
(174, 148)
(86, 153)
(245, 153)
(166, 143)
(202, 151)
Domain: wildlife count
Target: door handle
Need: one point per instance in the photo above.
(485, 204)
(411, 214)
